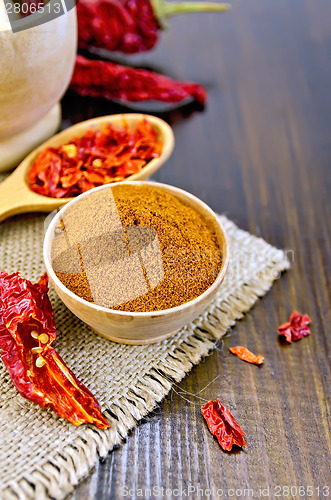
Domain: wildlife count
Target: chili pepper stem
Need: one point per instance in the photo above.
(172, 8)
(163, 10)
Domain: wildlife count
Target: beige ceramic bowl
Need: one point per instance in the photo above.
(139, 327)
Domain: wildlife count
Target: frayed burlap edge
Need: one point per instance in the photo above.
(62, 472)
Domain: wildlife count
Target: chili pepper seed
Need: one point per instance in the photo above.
(40, 362)
(70, 150)
(97, 163)
(36, 350)
(34, 334)
(43, 338)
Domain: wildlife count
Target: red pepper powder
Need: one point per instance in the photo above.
(183, 259)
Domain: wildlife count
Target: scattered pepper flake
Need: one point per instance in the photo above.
(98, 157)
(296, 327)
(223, 425)
(246, 355)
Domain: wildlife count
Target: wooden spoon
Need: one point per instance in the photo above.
(15, 195)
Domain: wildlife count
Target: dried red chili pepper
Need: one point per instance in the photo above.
(129, 26)
(223, 425)
(27, 331)
(246, 355)
(96, 78)
(296, 327)
(96, 158)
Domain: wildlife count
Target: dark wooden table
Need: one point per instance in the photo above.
(261, 153)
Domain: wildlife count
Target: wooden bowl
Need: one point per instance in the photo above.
(139, 327)
(16, 196)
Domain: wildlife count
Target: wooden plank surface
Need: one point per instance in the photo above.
(261, 153)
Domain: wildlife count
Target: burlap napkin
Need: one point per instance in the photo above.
(43, 456)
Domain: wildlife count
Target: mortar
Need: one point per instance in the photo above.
(36, 65)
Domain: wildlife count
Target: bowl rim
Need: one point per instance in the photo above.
(219, 278)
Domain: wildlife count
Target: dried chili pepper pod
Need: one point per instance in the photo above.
(106, 79)
(130, 26)
(223, 425)
(27, 331)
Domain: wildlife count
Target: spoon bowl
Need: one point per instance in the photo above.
(16, 196)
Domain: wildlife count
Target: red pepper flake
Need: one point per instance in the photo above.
(296, 327)
(246, 355)
(27, 331)
(223, 425)
(98, 157)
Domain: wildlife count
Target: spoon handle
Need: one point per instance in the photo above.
(17, 198)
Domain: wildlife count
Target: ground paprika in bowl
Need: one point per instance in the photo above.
(137, 260)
